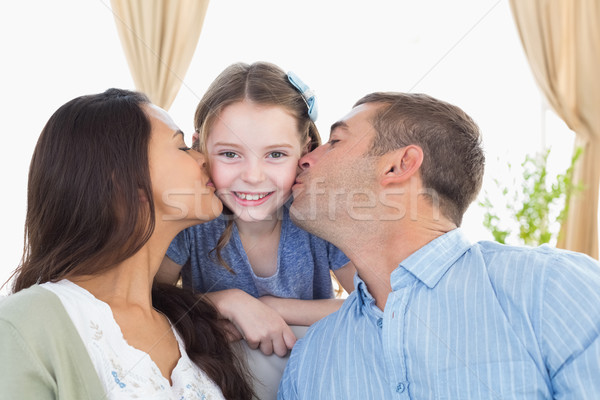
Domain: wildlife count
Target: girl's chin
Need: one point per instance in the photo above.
(255, 217)
(247, 214)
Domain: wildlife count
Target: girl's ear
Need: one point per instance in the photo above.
(195, 140)
(400, 165)
(306, 147)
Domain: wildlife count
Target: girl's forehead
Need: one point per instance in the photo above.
(251, 124)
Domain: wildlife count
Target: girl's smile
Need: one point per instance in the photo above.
(253, 154)
(252, 199)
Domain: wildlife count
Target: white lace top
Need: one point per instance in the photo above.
(126, 372)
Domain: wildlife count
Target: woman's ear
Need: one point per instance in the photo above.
(400, 165)
(142, 196)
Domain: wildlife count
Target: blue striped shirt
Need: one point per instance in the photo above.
(463, 321)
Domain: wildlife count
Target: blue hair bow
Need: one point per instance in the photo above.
(307, 94)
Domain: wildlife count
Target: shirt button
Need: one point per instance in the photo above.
(400, 388)
(380, 322)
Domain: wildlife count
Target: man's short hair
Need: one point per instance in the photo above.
(453, 162)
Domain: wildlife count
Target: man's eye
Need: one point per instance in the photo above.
(333, 141)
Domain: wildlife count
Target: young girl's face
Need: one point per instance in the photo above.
(253, 154)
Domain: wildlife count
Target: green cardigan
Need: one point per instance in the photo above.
(42, 355)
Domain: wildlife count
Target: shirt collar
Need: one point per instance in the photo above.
(430, 262)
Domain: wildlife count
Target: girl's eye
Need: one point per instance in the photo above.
(277, 154)
(229, 154)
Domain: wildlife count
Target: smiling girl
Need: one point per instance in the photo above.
(261, 271)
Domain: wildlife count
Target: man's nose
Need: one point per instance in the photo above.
(309, 159)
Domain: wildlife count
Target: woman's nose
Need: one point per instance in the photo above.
(201, 159)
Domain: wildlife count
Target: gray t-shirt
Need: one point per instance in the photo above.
(303, 265)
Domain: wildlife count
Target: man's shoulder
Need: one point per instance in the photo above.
(544, 256)
(541, 264)
(324, 330)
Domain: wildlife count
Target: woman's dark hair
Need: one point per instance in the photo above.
(84, 216)
(205, 341)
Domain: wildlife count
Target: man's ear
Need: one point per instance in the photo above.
(400, 165)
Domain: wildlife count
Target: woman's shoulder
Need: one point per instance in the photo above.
(27, 300)
(32, 306)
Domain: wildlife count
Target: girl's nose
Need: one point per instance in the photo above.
(253, 173)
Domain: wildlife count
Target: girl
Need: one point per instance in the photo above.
(261, 271)
(85, 321)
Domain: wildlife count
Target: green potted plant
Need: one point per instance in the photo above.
(530, 209)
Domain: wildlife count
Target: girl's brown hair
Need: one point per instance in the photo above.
(262, 83)
(88, 171)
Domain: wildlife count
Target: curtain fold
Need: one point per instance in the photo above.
(561, 39)
(159, 38)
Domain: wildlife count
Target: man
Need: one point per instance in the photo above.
(433, 316)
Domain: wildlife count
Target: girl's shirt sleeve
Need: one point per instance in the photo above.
(179, 250)
(337, 258)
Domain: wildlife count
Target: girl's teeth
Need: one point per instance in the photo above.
(245, 196)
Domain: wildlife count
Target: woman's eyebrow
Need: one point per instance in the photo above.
(178, 132)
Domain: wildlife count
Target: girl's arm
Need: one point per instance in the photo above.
(245, 316)
(260, 325)
(307, 312)
(302, 312)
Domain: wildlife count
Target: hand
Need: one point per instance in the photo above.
(260, 325)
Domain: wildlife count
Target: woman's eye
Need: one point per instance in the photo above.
(185, 148)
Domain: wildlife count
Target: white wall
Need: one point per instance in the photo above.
(466, 52)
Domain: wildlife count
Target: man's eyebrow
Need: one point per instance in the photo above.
(339, 124)
(178, 132)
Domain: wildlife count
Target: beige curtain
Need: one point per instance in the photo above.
(159, 38)
(561, 39)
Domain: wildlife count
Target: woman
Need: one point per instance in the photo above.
(111, 183)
